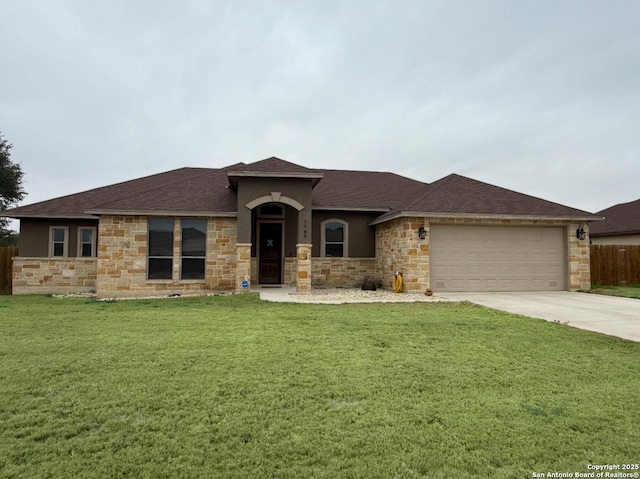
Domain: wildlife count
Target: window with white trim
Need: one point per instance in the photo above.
(160, 248)
(58, 241)
(194, 249)
(334, 238)
(86, 242)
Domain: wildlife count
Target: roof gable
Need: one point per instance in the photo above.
(273, 165)
(272, 168)
(619, 219)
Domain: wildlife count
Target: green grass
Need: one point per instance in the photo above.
(233, 387)
(632, 291)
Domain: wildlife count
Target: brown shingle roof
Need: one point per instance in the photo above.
(272, 168)
(455, 194)
(273, 165)
(363, 189)
(623, 218)
(206, 191)
(184, 189)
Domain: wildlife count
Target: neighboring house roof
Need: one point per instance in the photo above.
(623, 218)
(210, 192)
(458, 195)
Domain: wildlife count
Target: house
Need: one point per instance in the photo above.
(620, 226)
(273, 222)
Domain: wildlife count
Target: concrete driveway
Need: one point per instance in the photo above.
(604, 314)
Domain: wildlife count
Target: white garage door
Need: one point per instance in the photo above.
(497, 258)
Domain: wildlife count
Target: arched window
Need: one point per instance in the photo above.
(334, 239)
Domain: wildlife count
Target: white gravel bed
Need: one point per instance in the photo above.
(319, 295)
(345, 295)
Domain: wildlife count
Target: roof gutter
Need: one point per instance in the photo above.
(198, 214)
(234, 175)
(433, 215)
(53, 216)
(355, 208)
(614, 233)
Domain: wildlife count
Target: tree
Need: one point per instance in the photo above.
(11, 190)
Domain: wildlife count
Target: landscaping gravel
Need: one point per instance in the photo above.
(346, 295)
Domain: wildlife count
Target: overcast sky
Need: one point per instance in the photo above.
(542, 97)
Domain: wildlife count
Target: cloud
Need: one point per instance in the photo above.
(540, 97)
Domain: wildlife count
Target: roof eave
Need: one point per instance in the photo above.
(424, 214)
(200, 214)
(614, 233)
(234, 175)
(350, 208)
(73, 216)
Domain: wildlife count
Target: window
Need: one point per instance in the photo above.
(160, 247)
(58, 241)
(86, 242)
(334, 238)
(194, 248)
(271, 210)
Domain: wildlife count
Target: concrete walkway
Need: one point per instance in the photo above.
(603, 314)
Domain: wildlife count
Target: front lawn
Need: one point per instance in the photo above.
(632, 291)
(233, 387)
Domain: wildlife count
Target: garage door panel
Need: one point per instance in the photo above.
(500, 258)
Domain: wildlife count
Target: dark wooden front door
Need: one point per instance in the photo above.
(270, 254)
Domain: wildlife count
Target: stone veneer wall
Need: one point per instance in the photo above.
(400, 249)
(579, 259)
(289, 277)
(53, 275)
(120, 269)
(327, 271)
(122, 259)
(222, 235)
(243, 267)
(290, 270)
(303, 267)
(342, 271)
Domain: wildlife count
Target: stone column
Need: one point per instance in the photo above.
(579, 259)
(303, 273)
(243, 266)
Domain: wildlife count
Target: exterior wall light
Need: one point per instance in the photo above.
(580, 233)
(422, 233)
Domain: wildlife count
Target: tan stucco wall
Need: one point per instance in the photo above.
(400, 249)
(53, 275)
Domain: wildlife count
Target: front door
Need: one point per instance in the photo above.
(270, 253)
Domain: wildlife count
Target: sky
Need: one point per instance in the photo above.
(538, 96)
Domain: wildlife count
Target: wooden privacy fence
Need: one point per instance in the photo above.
(615, 265)
(6, 253)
